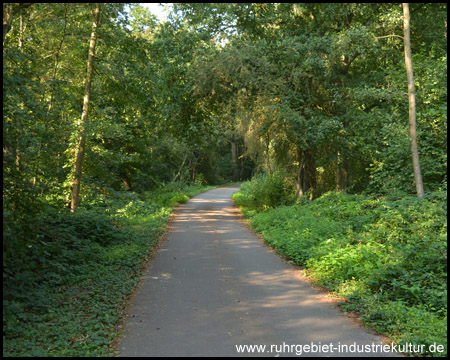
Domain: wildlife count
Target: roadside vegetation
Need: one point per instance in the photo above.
(386, 256)
(106, 108)
(67, 276)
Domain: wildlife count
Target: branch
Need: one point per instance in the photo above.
(353, 59)
(387, 36)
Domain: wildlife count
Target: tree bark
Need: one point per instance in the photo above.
(55, 66)
(84, 115)
(8, 12)
(125, 180)
(269, 167)
(300, 173)
(21, 29)
(234, 158)
(306, 175)
(179, 171)
(412, 102)
(342, 171)
(310, 175)
(7, 19)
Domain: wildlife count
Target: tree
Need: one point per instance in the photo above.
(412, 102)
(314, 91)
(8, 12)
(84, 115)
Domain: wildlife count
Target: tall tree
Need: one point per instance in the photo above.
(8, 11)
(412, 102)
(84, 115)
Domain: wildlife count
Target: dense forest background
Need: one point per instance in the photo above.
(317, 92)
(309, 98)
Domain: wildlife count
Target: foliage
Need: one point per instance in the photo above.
(69, 275)
(322, 87)
(309, 98)
(267, 191)
(386, 257)
(313, 90)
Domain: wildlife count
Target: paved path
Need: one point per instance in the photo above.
(214, 285)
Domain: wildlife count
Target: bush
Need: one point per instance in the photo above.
(66, 276)
(266, 191)
(386, 257)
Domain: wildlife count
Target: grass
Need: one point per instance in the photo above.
(386, 257)
(67, 277)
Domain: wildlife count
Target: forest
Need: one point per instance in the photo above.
(112, 117)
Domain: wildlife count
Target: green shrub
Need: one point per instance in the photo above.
(66, 276)
(386, 257)
(267, 191)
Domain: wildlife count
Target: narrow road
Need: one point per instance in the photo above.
(214, 285)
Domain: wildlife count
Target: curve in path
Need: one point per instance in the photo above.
(213, 285)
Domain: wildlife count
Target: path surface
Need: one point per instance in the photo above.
(214, 285)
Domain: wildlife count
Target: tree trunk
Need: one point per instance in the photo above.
(179, 171)
(342, 171)
(125, 180)
(306, 175)
(309, 174)
(8, 12)
(234, 158)
(21, 29)
(84, 115)
(300, 174)
(55, 66)
(7, 19)
(412, 103)
(269, 167)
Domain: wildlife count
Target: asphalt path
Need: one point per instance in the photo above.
(213, 286)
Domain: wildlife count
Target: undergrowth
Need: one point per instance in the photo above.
(386, 257)
(67, 276)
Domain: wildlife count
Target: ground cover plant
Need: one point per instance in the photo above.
(104, 101)
(386, 256)
(69, 275)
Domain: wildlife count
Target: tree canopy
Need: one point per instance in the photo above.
(104, 100)
(314, 90)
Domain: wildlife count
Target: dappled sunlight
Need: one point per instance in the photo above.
(280, 294)
(202, 215)
(208, 201)
(241, 243)
(216, 280)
